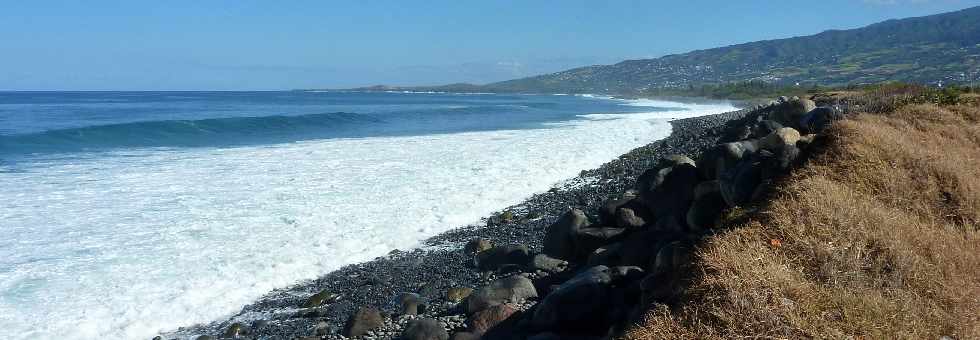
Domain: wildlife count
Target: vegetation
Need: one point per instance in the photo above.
(938, 49)
(877, 237)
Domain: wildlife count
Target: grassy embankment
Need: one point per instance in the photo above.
(877, 237)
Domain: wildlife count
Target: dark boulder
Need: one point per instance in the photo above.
(708, 205)
(671, 190)
(364, 320)
(559, 241)
(818, 119)
(321, 298)
(578, 305)
(548, 264)
(409, 304)
(630, 219)
(465, 336)
(482, 321)
(607, 211)
(764, 128)
(477, 245)
(496, 257)
(510, 289)
(424, 329)
(723, 157)
(590, 239)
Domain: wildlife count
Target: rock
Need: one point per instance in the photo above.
(607, 255)
(364, 320)
(559, 240)
(157, 338)
(465, 336)
(607, 212)
(671, 190)
(627, 218)
(738, 184)
(589, 239)
(322, 328)
(509, 289)
(409, 304)
(495, 257)
(205, 337)
(484, 320)
(780, 138)
(425, 329)
(458, 294)
(818, 119)
(723, 157)
(707, 207)
(674, 160)
(321, 298)
(477, 245)
(764, 128)
(235, 330)
(790, 112)
(548, 264)
(670, 224)
(672, 257)
(578, 305)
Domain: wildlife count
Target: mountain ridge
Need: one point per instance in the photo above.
(935, 49)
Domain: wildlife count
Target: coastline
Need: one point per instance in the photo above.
(441, 263)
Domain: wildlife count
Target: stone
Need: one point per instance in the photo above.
(364, 320)
(577, 305)
(790, 112)
(409, 304)
(511, 289)
(322, 328)
(707, 207)
(627, 218)
(670, 224)
(458, 294)
(425, 329)
(671, 257)
(723, 157)
(235, 330)
(321, 298)
(495, 257)
(764, 128)
(780, 138)
(205, 337)
(607, 211)
(674, 160)
(465, 336)
(559, 239)
(548, 264)
(818, 119)
(477, 245)
(671, 190)
(738, 184)
(607, 255)
(482, 321)
(588, 240)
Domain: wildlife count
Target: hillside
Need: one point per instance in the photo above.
(932, 49)
(942, 48)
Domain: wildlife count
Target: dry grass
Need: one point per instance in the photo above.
(876, 238)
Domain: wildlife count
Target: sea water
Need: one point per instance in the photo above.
(127, 214)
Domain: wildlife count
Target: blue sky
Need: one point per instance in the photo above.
(268, 45)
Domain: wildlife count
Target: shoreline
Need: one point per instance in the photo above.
(440, 262)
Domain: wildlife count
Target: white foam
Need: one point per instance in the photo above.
(127, 245)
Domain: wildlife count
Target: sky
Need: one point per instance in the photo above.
(276, 45)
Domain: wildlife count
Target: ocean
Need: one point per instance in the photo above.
(127, 214)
